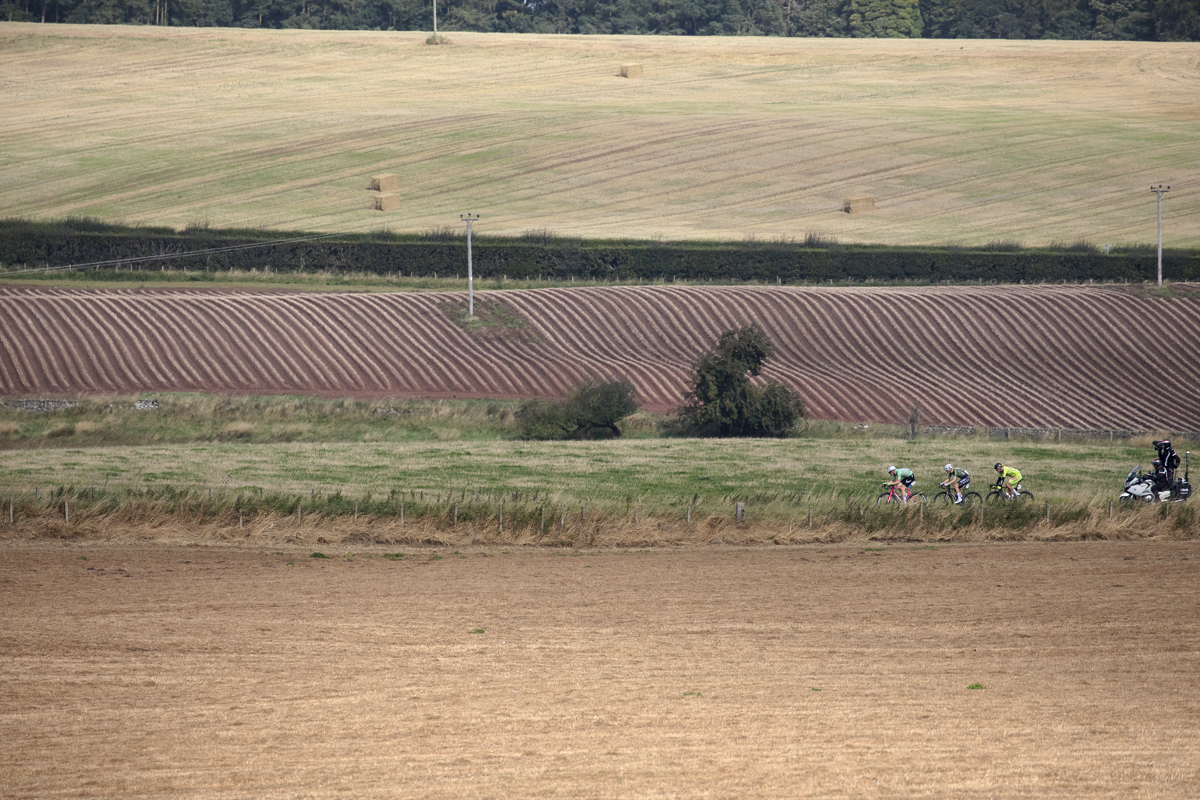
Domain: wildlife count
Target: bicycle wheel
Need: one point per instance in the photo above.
(994, 496)
(971, 498)
(916, 498)
(883, 499)
(943, 498)
(1025, 496)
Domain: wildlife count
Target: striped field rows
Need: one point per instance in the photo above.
(1046, 356)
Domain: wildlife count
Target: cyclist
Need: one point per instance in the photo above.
(957, 480)
(1010, 479)
(902, 480)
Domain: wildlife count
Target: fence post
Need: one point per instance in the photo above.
(501, 517)
(739, 513)
(1047, 512)
(67, 510)
(810, 516)
(1110, 509)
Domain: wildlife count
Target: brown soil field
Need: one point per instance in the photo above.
(1082, 357)
(955, 141)
(835, 671)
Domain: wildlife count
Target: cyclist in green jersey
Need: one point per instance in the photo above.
(957, 480)
(902, 480)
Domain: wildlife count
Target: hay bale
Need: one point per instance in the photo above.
(856, 205)
(385, 183)
(630, 71)
(385, 201)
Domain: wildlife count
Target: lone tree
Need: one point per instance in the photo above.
(594, 408)
(723, 402)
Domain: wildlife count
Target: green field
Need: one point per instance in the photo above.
(270, 454)
(956, 142)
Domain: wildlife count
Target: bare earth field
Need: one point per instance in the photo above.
(824, 671)
(955, 141)
(1043, 356)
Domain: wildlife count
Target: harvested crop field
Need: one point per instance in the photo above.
(1044, 356)
(969, 671)
(723, 137)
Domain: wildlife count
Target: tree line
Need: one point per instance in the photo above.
(1145, 20)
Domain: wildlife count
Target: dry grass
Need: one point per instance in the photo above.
(571, 525)
(966, 671)
(958, 142)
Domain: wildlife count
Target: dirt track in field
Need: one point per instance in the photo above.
(825, 671)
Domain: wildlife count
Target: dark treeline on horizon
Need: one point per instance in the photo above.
(1144, 20)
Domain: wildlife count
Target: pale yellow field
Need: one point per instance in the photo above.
(957, 141)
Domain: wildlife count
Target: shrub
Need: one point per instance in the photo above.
(723, 402)
(593, 409)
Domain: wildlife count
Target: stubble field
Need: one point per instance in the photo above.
(971, 671)
(962, 142)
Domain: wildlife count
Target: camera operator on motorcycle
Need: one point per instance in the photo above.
(1169, 459)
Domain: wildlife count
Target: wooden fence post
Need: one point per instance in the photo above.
(739, 513)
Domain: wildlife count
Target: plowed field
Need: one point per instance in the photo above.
(965, 671)
(1071, 357)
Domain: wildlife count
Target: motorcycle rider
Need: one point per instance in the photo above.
(1159, 477)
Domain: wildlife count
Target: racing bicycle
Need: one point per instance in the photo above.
(949, 496)
(997, 494)
(893, 497)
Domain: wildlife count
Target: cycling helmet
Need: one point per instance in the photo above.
(891, 470)
(1156, 463)
(949, 468)
(998, 465)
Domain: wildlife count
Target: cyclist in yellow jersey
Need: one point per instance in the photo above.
(1010, 477)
